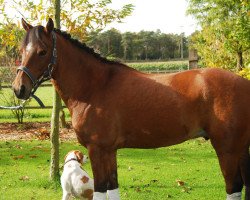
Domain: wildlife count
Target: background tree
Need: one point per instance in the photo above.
(109, 43)
(128, 45)
(225, 30)
(145, 45)
(57, 105)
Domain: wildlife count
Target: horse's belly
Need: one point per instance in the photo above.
(153, 139)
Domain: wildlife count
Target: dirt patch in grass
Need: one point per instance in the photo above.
(34, 130)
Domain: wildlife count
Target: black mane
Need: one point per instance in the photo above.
(84, 47)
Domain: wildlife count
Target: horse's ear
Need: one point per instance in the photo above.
(26, 26)
(50, 26)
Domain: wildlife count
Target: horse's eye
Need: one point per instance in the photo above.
(42, 53)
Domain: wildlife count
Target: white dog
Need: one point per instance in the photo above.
(74, 180)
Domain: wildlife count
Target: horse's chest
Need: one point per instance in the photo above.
(90, 125)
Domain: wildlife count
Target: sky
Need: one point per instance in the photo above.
(167, 15)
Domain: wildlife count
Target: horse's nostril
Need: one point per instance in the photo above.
(21, 91)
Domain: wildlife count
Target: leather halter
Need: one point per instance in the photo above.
(47, 74)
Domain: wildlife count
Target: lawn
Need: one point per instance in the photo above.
(186, 171)
(36, 115)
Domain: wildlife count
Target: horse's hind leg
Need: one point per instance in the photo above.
(245, 172)
(230, 167)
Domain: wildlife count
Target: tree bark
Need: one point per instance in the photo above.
(240, 64)
(54, 135)
(62, 119)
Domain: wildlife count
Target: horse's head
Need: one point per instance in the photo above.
(38, 56)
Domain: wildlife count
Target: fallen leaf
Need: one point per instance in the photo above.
(33, 156)
(24, 178)
(18, 157)
(130, 168)
(42, 134)
(180, 183)
(185, 189)
(18, 146)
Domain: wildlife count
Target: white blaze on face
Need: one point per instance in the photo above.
(26, 51)
(29, 47)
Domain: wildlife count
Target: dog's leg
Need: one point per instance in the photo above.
(113, 194)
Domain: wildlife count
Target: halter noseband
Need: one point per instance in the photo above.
(47, 74)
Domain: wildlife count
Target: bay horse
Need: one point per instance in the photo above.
(113, 106)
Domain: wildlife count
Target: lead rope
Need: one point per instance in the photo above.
(21, 106)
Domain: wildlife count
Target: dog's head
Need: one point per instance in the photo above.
(76, 155)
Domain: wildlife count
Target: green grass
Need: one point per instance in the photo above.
(143, 174)
(35, 115)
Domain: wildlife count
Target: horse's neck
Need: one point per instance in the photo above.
(78, 74)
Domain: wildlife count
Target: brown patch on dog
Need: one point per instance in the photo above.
(88, 194)
(85, 179)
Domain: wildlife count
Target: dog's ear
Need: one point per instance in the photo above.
(79, 156)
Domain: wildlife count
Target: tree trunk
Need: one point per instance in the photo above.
(240, 64)
(62, 119)
(54, 135)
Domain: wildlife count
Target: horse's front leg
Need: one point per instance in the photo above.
(104, 167)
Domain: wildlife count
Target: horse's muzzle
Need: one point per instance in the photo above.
(21, 92)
